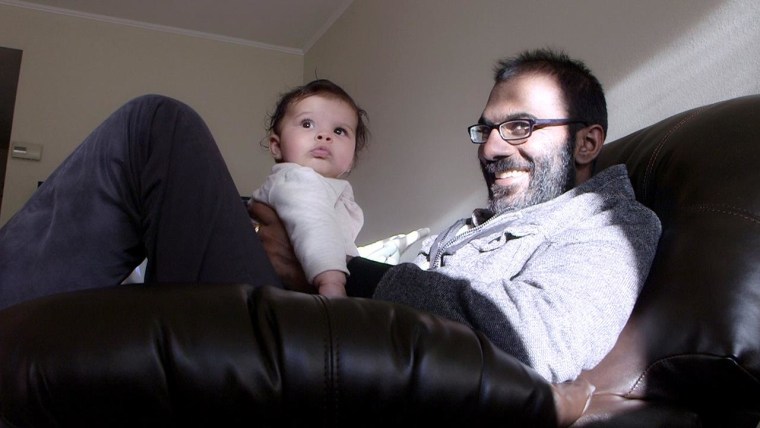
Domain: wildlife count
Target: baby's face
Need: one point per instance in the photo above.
(319, 132)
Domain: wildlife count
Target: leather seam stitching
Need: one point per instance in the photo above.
(329, 370)
(666, 359)
(661, 144)
(647, 370)
(725, 209)
(331, 365)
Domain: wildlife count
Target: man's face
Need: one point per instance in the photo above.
(539, 168)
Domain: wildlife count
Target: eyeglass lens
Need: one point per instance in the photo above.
(514, 129)
(511, 130)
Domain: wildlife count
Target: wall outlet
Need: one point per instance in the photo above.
(26, 151)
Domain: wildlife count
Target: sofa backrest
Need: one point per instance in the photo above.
(694, 336)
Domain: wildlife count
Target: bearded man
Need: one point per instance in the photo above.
(550, 271)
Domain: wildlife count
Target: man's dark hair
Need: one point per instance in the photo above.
(322, 87)
(584, 96)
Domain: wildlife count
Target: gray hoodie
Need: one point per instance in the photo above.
(552, 284)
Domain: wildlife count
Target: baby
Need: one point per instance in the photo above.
(315, 133)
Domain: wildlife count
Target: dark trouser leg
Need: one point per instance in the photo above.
(149, 182)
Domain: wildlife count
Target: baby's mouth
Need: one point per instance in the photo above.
(320, 152)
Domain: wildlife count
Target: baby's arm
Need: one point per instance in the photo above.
(331, 283)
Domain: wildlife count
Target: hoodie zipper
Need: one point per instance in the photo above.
(436, 261)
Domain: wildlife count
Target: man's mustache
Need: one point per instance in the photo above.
(505, 164)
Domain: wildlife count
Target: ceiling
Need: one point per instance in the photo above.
(287, 25)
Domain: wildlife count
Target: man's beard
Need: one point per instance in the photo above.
(550, 176)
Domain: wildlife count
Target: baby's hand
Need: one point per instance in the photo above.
(331, 283)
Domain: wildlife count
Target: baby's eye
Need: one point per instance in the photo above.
(307, 123)
(341, 131)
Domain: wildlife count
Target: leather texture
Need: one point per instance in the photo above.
(229, 355)
(693, 340)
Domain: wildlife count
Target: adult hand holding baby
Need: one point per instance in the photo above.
(277, 244)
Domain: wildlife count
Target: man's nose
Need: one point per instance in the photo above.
(495, 147)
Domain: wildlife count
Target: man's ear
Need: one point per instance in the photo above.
(589, 142)
(274, 147)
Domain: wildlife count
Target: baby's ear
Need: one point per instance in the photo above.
(274, 147)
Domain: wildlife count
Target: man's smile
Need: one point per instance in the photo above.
(511, 173)
(511, 177)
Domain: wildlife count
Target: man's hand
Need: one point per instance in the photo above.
(277, 244)
(571, 399)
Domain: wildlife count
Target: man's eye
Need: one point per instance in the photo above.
(307, 123)
(517, 127)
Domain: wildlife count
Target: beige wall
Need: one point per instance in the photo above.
(423, 70)
(75, 71)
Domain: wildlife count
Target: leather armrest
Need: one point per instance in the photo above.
(233, 354)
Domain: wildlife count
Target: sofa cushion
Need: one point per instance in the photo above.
(693, 337)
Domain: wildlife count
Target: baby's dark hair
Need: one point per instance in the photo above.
(319, 87)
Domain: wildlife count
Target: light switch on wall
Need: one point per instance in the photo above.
(26, 151)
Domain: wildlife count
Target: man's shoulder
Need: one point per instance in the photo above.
(613, 186)
(615, 175)
(618, 198)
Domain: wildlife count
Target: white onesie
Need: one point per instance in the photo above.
(319, 213)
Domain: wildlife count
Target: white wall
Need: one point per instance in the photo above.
(423, 70)
(75, 71)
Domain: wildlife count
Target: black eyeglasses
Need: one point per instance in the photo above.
(513, 130)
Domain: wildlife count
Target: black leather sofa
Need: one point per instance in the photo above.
(229, 355)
